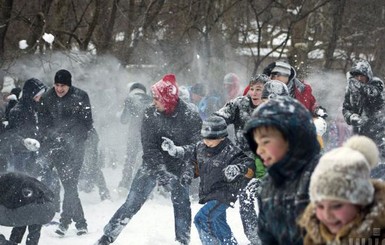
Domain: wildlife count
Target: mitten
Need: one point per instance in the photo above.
(173, 150)
(320, 112)
(164, 178)
(354, 84)
(186, 178)
(232, 172)
(355, 120)
(31, 144)
(12, 97)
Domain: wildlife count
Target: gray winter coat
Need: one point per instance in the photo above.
(237, 112)
(367, 101)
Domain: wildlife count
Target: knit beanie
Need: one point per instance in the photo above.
(282, 68)
(214, 127)
(343, 174)
(63, 77)
(166, 91)
(274, 88)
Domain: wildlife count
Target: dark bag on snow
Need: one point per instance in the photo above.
(24, 201)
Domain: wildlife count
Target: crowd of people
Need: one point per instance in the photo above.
(267, 145)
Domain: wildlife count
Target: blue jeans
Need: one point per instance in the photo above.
(212, 226)
(143, 184)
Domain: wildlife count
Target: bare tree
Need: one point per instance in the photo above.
(5, 18)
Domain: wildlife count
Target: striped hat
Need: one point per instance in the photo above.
(214, 127)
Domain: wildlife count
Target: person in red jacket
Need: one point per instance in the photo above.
(284, 72)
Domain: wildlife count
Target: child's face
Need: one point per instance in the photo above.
(272, 146)
(211, 143)
(255, 93)
(336, 214)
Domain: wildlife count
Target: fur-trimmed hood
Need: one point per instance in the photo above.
(372, 221)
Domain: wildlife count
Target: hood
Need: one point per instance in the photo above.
(296, 124)
(32, 87)
(362, 67)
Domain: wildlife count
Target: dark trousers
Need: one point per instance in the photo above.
(142, 186)
(68, 163)
(33, 234)
(91, 173)
(133, 149)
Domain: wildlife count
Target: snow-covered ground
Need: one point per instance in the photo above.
(153, 224)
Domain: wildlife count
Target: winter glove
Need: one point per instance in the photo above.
(320, 112)
(354, 84)
(186, 178)
(12, 97)
(173, 150)
(320, 126)
(31, 144)
(233, 172)
(164, 178)
(356, 120)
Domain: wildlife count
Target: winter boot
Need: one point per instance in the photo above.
(81, 228)
(104, 240)
(61, 229)
(82, 231)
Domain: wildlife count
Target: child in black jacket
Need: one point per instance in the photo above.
(220, 166)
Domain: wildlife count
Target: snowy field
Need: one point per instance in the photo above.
(152, 225)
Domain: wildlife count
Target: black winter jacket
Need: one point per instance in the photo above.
(284, 190)
(23, 121)
(68, 117)
(182, 127)
(210, 164)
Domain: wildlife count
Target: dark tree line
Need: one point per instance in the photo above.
(200, 37)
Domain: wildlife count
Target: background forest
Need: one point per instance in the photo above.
(200, 40)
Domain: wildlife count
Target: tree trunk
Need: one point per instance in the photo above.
(337, 13)
(6, 6)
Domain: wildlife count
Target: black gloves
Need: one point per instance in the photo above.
(319, 111)
(186, 178)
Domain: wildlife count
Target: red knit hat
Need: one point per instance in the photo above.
(166, 90)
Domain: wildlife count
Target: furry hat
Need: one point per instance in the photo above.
(343, 174)
(166, 90)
